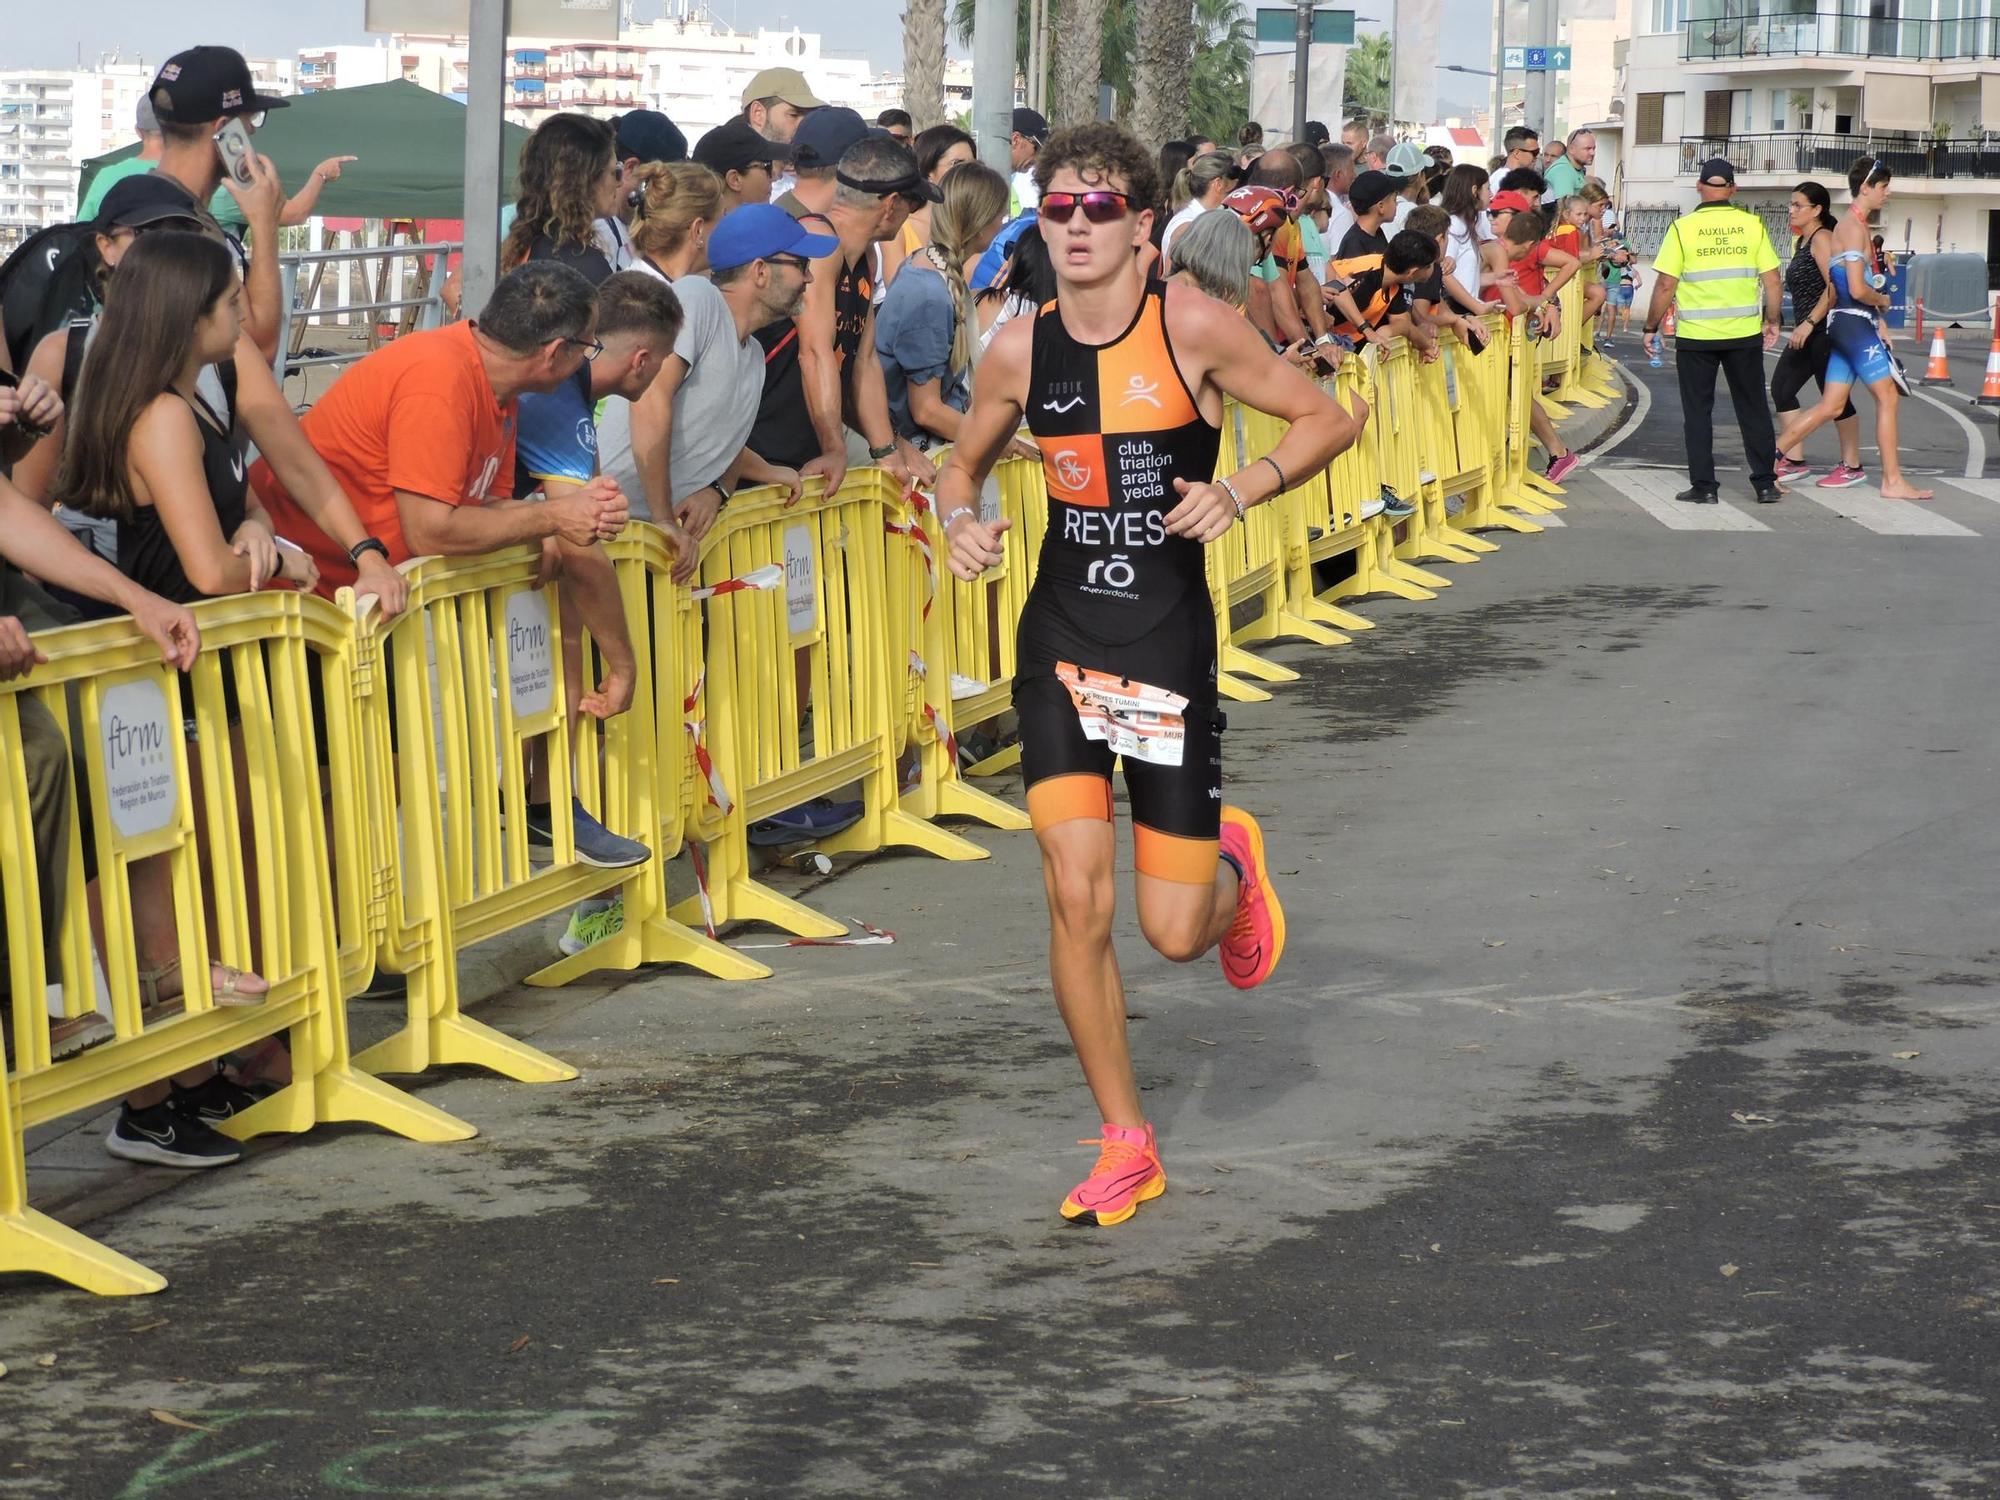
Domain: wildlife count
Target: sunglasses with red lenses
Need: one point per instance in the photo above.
(1099, 207)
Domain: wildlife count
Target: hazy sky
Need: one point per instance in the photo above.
(35, 35)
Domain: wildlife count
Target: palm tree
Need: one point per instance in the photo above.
(923, 62)
(1079, 61)
(1219, 86)
(1368, 76)
(1163, 78)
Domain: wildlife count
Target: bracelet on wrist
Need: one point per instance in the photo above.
(1234, 498)
(956, 511)
(876, 455)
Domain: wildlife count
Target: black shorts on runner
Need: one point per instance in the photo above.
(1176, 810)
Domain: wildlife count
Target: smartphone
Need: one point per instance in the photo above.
(232, 144)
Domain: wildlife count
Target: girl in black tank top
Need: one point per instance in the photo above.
(188, 524)
(146, 553)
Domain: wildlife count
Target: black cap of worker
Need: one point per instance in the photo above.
(1030, 123)
(648, 135)
(206, 83)
(734, 144)
(1370, 188)
(145, 198)
(824, 136)
(1718, 171)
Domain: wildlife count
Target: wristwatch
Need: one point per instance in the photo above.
(720, 489)
(367, 544)
(878, 454)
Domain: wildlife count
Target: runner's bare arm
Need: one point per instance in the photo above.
(998, 396)
(1234, 361)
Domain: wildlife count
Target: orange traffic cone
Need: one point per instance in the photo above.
(1989, 393)
(1938, 370)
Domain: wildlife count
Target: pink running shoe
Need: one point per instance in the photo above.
(1842, 478)
(1792, 468)
(1128, 1173)
(1256, 940)
(1559, 468)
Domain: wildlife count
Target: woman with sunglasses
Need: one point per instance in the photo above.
(570, 179)
(938, 150)
(1859, 352)
(1122, 381)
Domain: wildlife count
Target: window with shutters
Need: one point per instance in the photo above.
(1652, 120)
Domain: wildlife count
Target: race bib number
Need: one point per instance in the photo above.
(1138, 721)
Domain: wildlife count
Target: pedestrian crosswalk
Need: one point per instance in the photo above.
(1962, 508)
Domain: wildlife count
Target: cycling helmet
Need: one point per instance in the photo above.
(1262, 208)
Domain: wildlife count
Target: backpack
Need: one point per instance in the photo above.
(48, 281)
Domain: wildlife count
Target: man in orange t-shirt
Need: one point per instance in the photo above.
(420, 435)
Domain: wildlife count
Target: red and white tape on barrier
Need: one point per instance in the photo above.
(697, 728)
(763, 579)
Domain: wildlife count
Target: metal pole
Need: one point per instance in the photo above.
(1499, 72)
(1538, 97)
(1301, 68)
(485, 97)
(1392, 67)
(993, 82)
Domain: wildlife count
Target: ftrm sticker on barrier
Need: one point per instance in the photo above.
(801, 595)
(989, 501)
(531, 658)
(1450, 380)
(139, 780)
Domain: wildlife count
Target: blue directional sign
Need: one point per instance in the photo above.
(1536, 59)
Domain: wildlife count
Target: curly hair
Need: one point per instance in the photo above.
(1100, 153)
(560, 165)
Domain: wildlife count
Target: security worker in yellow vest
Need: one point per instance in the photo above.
(1717, 264)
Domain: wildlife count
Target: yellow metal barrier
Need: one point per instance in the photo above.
(1459, 498)
(1402, 427)
(660, 778)
(797, 701)
(1521, 488)
(981, 619)
(1246, 571)
(943, 627)
(275, 914)
(476, 665)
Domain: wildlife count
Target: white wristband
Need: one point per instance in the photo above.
(944, 523)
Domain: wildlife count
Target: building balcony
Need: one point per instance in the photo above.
(1837, 32)
(1806, 154)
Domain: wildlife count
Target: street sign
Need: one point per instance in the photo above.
(1331, 28)
(1536, 59)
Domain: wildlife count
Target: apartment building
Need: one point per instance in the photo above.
(1794, 89)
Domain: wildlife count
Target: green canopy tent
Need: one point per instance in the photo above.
(410, 141)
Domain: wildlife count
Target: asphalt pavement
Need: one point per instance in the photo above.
(1622, 1119)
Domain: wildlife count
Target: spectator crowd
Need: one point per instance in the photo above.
(799, 292)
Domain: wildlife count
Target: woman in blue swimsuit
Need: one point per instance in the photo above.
(1858, 352)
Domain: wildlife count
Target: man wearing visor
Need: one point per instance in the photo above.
(825, 406)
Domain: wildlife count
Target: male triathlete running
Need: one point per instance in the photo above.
(1121, 380)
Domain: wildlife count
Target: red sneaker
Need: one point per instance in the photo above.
(1256, 940)
(1128, 1173)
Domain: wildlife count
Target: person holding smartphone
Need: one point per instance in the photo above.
(198, 96)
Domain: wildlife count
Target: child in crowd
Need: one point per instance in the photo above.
(1527, 272)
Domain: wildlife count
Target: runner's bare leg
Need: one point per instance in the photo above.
(1077, 860)
(1184, 921)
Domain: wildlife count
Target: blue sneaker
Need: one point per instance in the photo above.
(599, 846)
(1394, 505)
(809, 821)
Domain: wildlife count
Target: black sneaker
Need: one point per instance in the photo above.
(540, 827)
(165, 1136)
(217, 1100)
(1699, 494)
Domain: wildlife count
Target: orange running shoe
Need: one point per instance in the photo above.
(1256, 939)
(1128, 1172)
